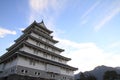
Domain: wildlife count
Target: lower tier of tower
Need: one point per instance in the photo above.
(35, 62)
(21, 77)
(25, 73)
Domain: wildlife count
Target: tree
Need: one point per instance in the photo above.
(87, 77)
(110, 75)
(91, 77)
(82, 76)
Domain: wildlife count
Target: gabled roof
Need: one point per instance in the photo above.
(46, 51)
(44, 35)
(41, 25)
(24, 36)
(41, 41)
(39, 33)
(17, 46)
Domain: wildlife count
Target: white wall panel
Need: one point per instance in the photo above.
(10, 64)
(26, 63)
(52, 68)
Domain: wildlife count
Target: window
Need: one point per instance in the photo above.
(38, 43)
(32, 62)
(37, 73)
(24, 71)
(53, 50)
(26, 58)
(47, 41)
(64, 77)
(45, 66)
(12, 70)
(60, 60)
(40, 37)
(36, 51)
(52, 75)
(53, 57)
(67, 71)
(45, 55)
(46, 47)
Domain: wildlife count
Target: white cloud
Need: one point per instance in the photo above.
(48, 10)
(90, 9)
(4, 32)
(84, 17)
(84, 21)
(114, 45)
(21, 29)
(115, 9)
(44, 5)
(107, 18)
(11, 43)
(45, 9)
(87, 56)
(39, 5)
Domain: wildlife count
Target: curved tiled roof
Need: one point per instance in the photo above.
(41, 25)
(46, 60)
(17, 46)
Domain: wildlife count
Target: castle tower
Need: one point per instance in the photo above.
(35, 55)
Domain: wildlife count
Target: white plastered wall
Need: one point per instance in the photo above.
(27, 63)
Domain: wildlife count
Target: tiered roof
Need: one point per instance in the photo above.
(21, 41)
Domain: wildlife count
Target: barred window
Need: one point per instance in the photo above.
(24, 71)
(36, 51)
(32, 62)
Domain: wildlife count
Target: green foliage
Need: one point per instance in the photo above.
(91, 77)
(87, 77)
(110, 75)
(82, 76)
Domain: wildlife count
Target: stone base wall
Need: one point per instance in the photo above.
(20, 77)
(32, 73)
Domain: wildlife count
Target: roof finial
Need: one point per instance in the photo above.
(34, 20)
(42, 21)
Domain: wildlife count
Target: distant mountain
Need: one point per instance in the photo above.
(99, 71)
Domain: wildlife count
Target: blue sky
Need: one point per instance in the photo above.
(88, 30)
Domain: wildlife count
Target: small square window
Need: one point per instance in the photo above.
(22, 71)
(36, 51)
(12, 70)
(45, 55)
(53, 57)
(46, 47)
(53, 50)
(35, 73)
(32, 62)
(38, 73)
(40, 37)
(26, 71)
